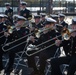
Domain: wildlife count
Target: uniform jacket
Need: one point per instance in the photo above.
(15, 36)
(70, 46)
(45, 37)
(2, 28)
(9, 13)
(26, 13)
(64, 24)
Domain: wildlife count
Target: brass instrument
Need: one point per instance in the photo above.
(39, 32)
(37, 50)
(36, 32)
(9, 30)
(10, 14)
(66, 33)
(8, 44)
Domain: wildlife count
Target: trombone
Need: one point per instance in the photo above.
(7, 44)
(66, 34)
(37, 50)
(10, 29)
(62, 34)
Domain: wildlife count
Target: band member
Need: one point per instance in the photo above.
(3, 28)
(61, 20)
(19, 32)
(58, 27)
(55, 17)
(6, 21)
(9, 12)
(43, 19)
(24, 11)
(38, 23)
(70, 52)
(47, 53)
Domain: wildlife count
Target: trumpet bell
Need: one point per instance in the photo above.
(38, 32)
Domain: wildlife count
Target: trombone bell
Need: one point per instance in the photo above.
(10, 29)
(66, 34)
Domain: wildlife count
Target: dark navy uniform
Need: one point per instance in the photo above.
(2, 41)
(38, 23)
(49, 52)
(62, 22)
(9, 12)
(45, 54)
(14, 36)
(43, 20)
(70, 58)
(25, 12)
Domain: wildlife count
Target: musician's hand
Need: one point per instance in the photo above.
(24, 14)
(32, 38)
(57, 42)
(32, 29)
(6, 34)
